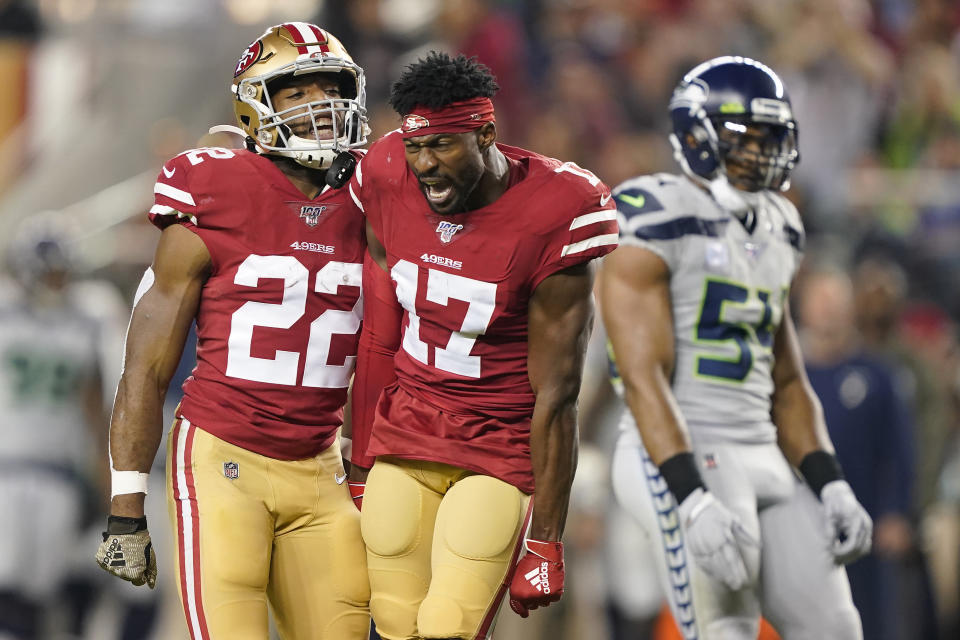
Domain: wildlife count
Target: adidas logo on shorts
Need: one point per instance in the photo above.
(539, 578)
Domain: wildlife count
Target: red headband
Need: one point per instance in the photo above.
(458, 117)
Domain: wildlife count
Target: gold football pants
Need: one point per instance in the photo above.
(441, 542)
(251, 529)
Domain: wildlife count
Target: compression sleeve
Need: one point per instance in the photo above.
(379, 341)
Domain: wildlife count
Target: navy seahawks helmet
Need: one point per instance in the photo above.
(40, 251)
(732, 117)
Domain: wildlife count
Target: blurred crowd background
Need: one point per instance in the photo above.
(98, 93)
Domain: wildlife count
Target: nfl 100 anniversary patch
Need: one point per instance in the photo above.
(446, 230)
(312, 212)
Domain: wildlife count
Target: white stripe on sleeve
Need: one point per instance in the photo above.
(589, 243)
(356, 199)
(174, 194)
(590, 218)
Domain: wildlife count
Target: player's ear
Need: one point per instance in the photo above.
(486, 135)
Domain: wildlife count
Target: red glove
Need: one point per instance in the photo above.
(356, 492)
(538, 577)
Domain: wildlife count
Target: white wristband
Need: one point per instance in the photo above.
(123, 482)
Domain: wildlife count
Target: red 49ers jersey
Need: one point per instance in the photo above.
(279, 316)
(463, 393)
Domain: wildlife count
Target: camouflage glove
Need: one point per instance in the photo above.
(126, 551)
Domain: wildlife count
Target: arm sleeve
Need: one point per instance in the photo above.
(379, 342)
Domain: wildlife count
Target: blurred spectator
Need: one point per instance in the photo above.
(871, 428)
(838, 73)
(929, 333)
(18, 19)
(496, 38)
(19, 31)
(881, 288)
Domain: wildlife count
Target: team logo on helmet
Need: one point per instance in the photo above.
(413, 122)
(447, 230)
(250, 56)
(691, 93)
(311, 213)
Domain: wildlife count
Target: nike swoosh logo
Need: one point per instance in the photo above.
(169, 174)
(605, 199)
(338, 478)
(633, 201)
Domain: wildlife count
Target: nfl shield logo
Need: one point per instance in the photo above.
(231, 470)
(754, 249)
(717, 259)
(311, 213)
(446, 230)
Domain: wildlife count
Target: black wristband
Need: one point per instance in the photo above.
(681, 474)
(819, 468)
(122, 525)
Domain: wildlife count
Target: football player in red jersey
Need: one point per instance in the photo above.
(488, 247)
(267, 259)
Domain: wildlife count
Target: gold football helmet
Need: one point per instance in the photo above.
(298, 48)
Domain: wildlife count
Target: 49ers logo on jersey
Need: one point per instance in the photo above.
(249, 57)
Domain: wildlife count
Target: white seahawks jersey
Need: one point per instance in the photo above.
(728, 287)
(48, 359)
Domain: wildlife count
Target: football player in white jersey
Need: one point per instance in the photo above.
(724, 456)
(51, 398)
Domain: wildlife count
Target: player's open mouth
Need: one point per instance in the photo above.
(437, 193)
(324, 129)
